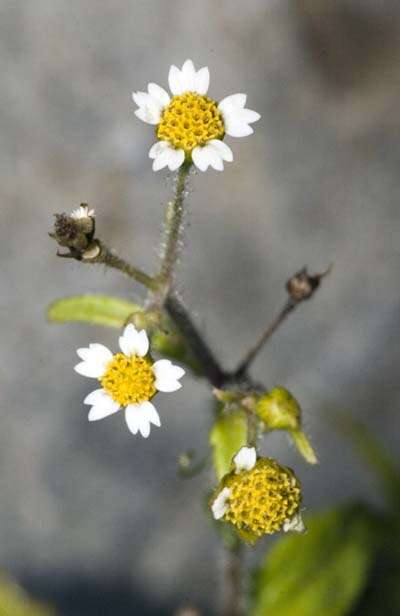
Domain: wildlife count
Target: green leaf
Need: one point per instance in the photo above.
(227, 436)
(321, 572)
(95, 309)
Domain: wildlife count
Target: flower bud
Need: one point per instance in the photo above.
(279, 410)
(76, 232)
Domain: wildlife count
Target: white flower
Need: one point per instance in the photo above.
(129, 380)
(245, 459)
(295, 524)
(220, 505)
(190, 125)
(82, 212)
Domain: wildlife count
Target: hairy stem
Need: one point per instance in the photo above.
(173, 229)
(110, 259)
(233, 599)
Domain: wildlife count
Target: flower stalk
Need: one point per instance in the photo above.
(173, 232)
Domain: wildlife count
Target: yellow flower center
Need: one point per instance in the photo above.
(190, 120)
(129, 380)
(263, 498)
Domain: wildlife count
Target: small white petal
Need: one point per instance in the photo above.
(139, 417)
(164, 368)
(206, 156)
(96, 396)
(140, 98)
(167, 386)
(133, 342)
(248, 116)
(169, 157)
(175, 80)
(101, 410)
(234, 101)
(238, 129)
(220, 506)
(245, 459)
(95, 360)
(224, 150)
(159, 94)
(150, 116)
(157, 148)
(176, 158)
(202, 81)
(82, 212)
(295, 524)
(150, 412)
(188, 74)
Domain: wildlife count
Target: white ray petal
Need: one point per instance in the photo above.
(220, 505)
(164, 368)
(295, 524)
(158, 148)
(95, 360)
(175, 80)
(238, 129)
(103, 409)
(245, 459)
(150, 412)
(176, 158)
(133, 342)
(223, 149)
(159, 94)
(206, 156)
(140, 416)
(169, 157)
(167, 385)
(248, 116)
(202, 80)
(150, 116)
(234, 101)
(188, 74)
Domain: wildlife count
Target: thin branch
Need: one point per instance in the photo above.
(300, 287)
(111, 259)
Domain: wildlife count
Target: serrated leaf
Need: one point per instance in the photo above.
(95, 309)
(321, 572)
(227, 436)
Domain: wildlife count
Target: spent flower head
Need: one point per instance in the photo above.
(190, 126)
(129, 380)
(259, 496)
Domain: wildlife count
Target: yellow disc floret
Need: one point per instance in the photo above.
(190, 120)
(262, 499)
(129, 380)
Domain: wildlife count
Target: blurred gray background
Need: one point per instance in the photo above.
(91, 518)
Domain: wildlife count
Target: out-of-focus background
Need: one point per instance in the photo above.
(92, 519)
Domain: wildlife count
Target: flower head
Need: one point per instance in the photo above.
(129, 379)
(259, 496)
(189, 125)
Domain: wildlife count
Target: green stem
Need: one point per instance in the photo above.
(233, 599)
(110, 259)
(173, 229)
